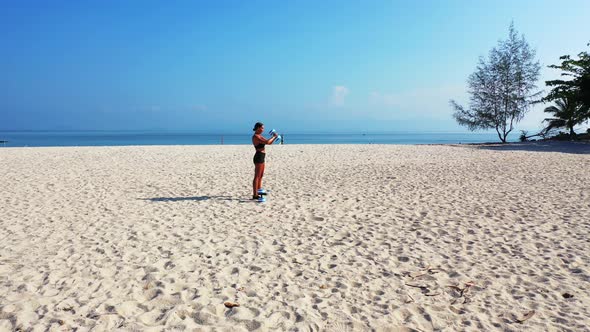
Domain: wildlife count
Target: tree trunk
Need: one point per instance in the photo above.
(500, 135)
(572, 133)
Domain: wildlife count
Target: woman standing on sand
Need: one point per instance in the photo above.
(259, 142)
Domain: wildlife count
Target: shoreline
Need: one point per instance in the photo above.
(134, 139)
(565, 142)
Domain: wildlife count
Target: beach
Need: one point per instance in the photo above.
(351, 238)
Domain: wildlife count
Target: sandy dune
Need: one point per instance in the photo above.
(353, 237)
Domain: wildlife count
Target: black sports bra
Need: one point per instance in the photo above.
(258, 146)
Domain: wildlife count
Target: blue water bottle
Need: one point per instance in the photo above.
(272, 132)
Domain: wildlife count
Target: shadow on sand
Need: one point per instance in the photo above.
(543, 146)
(196, 198)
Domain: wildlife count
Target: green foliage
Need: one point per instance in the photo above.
(523, 136)
(578, 87)
(502, 87)
(568, 113)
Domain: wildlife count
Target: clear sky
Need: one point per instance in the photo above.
(299, 66)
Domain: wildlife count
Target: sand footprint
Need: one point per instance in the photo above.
(169, 265)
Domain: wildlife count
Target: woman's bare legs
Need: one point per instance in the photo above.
(257, 182)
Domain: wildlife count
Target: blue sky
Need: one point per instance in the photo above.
(301, 66)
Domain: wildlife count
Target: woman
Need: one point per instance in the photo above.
(259, 142)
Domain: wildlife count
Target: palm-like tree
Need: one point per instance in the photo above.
(567, 114)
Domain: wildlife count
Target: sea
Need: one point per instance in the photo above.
(122, 138)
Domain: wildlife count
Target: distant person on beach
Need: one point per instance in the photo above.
(259, 142)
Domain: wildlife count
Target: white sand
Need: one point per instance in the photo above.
(352, 237)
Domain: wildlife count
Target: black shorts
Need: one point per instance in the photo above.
(259, 157)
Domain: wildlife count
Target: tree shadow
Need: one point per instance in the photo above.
(194, 198)
(541, 146)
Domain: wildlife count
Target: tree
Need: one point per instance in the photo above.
(578, 87)
(502, 87)
(568, 113)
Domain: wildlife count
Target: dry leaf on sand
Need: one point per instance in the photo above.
(526, 316)
(229, 304)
